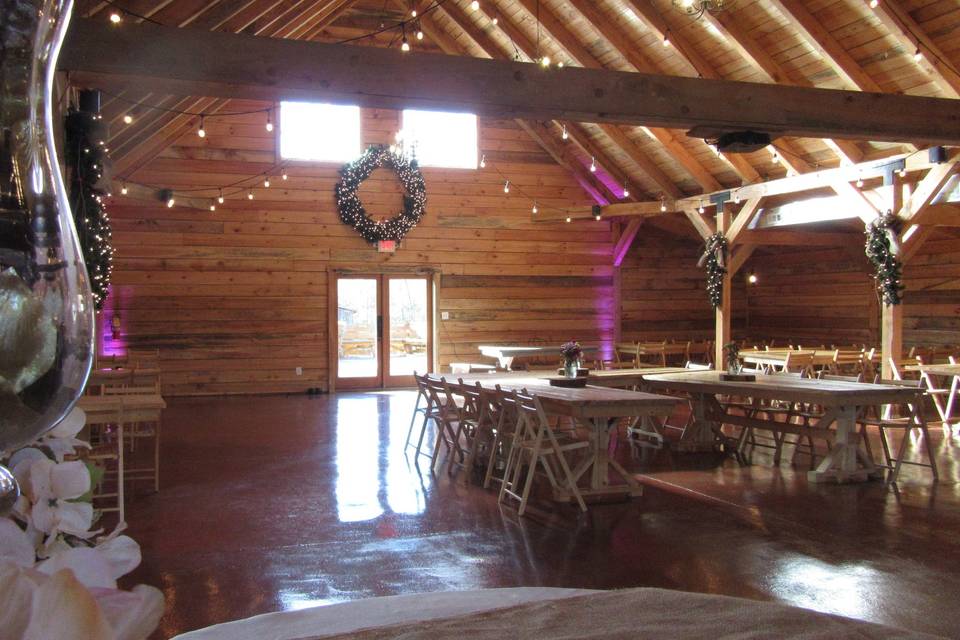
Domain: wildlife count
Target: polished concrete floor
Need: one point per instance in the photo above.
(273, 503)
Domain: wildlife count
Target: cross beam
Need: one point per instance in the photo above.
(226, 65)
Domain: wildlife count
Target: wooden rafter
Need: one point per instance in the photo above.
(239, 66)
(912, 37)
(625, 241)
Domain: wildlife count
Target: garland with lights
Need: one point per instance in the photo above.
(351, 209)
(882, 236)
(84, 159)
(715, 259)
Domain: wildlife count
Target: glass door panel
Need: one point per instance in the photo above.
(358, 358)
(408, 328)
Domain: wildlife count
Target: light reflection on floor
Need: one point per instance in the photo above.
(847, 590)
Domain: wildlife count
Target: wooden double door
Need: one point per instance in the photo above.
(384, 330)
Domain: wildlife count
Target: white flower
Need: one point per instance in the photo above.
(35, 606)
(62, 440)
(51, 487)
(15, 545)
(98, 566)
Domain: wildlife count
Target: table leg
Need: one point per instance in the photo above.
(506, 363)
(700, 435)
(928, 379)
(948, 412)
(846, 461)
(120, 462)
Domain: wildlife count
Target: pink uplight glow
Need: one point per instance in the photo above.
(110, 346)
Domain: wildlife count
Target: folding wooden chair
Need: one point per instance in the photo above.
(535, 446)
(884, 419)
(446, 418)
(426, 410)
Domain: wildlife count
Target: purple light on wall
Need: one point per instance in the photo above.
(110, 322)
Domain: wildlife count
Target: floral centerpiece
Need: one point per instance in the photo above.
(732, 350)
(58, 575)
(571, 352)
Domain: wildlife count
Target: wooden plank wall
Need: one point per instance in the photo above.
(664, 291)
(828, 296)
(237, 299)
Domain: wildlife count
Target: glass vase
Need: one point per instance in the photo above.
(570, 368)
(46, 310)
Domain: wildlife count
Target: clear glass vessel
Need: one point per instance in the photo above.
(46, 310)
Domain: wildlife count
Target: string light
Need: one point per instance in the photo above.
(593, 164)
(545, 61)
(918, 55)
(626, 190)
(474, 5)
(201, 131)
(127, 118)
(419, 33)
(860, 181)
(495, 21)
(250, 194)
(115, 17)
(266, 181)
(213, 207)
(170, 202)
(874, 3)
(269, 125)
(284, 176)
(404, 46)
(506, 187)
(700, 208)
(776, 157)
(568, 218)
(736, 196)
(903, 172)
(123, 189)
(560, 65)
(663, 205)
(220, 197)
(752, 278)
(564, 135)
(666, 38)
(534, 210)
(483, 161)
(596, 216)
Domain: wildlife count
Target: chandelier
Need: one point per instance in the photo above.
(696, 8)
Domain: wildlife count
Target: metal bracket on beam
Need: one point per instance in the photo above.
(937, 154)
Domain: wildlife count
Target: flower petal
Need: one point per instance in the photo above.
(123, 554)
(132, 614)
(75, 518)
(39, 486)
(88, 565)
(63, 608)
(69, 480)
(16, 599)
(15, 546)
(71, 424)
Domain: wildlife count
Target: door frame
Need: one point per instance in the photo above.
(383, 379)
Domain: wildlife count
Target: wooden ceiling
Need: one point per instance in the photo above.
(841, 44)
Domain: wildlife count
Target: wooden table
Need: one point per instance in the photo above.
(768, 360)
(505, 355)
(598, 409)
(119, 410)
(100, 377)
(841, 402)
(951, 371)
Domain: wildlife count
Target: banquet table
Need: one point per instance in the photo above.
(929, 372)
(846, 461)
(505, 355)
(777, 359)
(541, 612)
(598, 409)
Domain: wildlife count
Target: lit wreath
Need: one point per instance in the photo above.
(351, 209)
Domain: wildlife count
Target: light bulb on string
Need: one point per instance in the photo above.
(917, 55)
(700, 208)
(201, 131)
(250, 194)
(123, 189)
(736, 196)
(874, 4)
(115, 17)
(170, 202)
(474, 5)
(564, 134)
(860, 181)
(568, 218)
(506, 187)
(776, 157)
(284, 176)
(266, 181)
(626, 190)
(483, 161)
(666, 38)
(593, 164)
(404, 46)
(545, 61)
(752, 278)
(127, 118)
(903, 172)
(269, 125)
(213, 207)
(596, 216)
(495, 21)
(663, 205)
(220, 197)
(534, 210)
(419, 31)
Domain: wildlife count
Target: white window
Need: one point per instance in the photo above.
(319, 132)
(441, 139)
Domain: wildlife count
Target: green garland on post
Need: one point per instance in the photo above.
(715, 259)
(882, 236)
(85, 161)
(351, 209)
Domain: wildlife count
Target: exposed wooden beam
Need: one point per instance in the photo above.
(626, 241)
(914, 241)
(704, 225)
(945, 214)
(724, 312)
(739, 257)
(775, 237)
(832, 52)
(186, 62)
(744, 217)
(655, 22)
(915, 207)
(912, 37)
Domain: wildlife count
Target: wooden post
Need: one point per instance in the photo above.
(725, 310)
(891, 319)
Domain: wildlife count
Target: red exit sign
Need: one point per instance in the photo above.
(386, 246)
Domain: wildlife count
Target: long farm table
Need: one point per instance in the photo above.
(847, 461)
